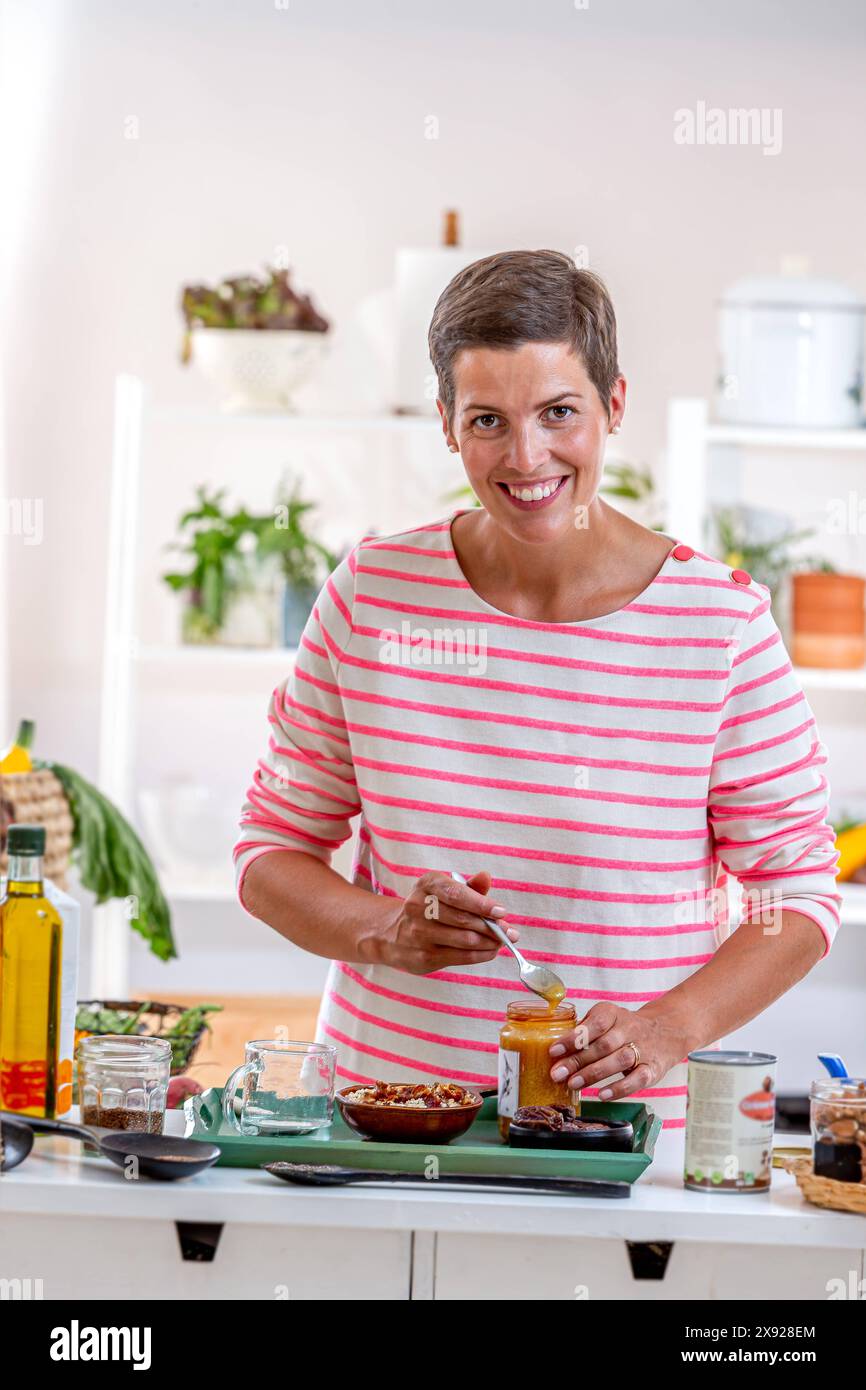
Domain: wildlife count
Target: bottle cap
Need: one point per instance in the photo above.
(451, 228)
(25, 839)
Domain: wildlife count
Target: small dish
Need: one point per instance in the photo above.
(540, 1127)
(408, 1124)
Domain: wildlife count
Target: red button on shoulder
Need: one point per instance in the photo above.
(682, 552)
(741, 576)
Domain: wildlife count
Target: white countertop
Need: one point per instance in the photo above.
(58, 1179)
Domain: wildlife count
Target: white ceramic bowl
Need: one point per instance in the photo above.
(257, 369)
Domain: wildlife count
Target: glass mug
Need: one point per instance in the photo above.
(288, 1088)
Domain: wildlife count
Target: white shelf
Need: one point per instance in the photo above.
(817, 678)
(693, 439)
(216, 886)
(204, 415)
(205, 654)
(853, 904)
(763, 437)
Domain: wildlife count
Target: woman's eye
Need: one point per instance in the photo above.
(560, 412)
(486, 422)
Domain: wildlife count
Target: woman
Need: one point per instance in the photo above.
(590, 721)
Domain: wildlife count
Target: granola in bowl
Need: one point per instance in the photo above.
(439, 1096)
(409, 1112)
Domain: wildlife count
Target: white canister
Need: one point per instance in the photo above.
(730, 1114)
(791, 353)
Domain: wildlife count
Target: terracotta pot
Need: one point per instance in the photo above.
(828, 620)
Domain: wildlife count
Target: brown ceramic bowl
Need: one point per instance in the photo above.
(408, 1124)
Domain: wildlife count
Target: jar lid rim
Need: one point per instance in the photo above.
(126, 1047)
(539, 1009)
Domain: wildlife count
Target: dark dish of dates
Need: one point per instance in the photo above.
(558, 1127)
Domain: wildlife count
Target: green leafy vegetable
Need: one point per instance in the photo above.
(211, 539)
(112, 862)
(768, 558)
(846, 823)
(117, 1021)
(244, 301)
(285, 533)
(191, 1021)
(184, 1032)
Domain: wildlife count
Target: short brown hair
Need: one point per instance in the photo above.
(518, 297)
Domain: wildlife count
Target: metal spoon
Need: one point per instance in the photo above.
(158, 1155)
(535, 977)
(331, 1175)
(17, 1141)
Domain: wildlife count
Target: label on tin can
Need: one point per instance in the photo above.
(729, 1121)
(509, 1083)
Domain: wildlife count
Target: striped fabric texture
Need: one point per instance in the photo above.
(609, 774)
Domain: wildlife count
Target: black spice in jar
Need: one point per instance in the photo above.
(116, 1117)
(839, 1161)
(838, 1114)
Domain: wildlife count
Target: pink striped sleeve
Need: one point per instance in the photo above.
(768, 786)
(303, 793)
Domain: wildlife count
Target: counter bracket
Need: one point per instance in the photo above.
(199, 1240)
(649, 1258)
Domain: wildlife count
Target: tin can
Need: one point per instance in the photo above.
(730, 1113)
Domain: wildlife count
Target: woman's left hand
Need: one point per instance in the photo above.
(599, 1048)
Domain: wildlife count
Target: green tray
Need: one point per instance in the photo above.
(480, 1150)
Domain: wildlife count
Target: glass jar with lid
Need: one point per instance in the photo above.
(837, 1111)
(123, 1081)
(531, 1027)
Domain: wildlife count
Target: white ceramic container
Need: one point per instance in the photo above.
(257, 369)
(791, 353)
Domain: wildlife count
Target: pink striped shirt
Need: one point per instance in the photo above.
(610, 774)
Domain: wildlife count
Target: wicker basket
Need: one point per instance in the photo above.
(827, 1192)
(37, 798)
(151, 1025)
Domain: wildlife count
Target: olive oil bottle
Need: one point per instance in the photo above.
(31, 946)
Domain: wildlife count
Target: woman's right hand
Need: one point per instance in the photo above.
(439, 925)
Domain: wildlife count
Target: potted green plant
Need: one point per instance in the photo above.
(227, 599)
(827, 608)
(763, 544)
(256, 339)
(304, 561)
(634, 489)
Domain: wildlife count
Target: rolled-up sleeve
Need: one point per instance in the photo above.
(769, 793)
(303, 793)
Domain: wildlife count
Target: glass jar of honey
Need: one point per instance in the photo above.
(530, 1029)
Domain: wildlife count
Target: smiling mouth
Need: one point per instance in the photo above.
(531, 497)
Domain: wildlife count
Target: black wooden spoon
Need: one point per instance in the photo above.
(157, 1155)
(330, 1175)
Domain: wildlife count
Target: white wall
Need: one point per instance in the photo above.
(304, 126)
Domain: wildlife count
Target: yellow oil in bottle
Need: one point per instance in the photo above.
(31, 939)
